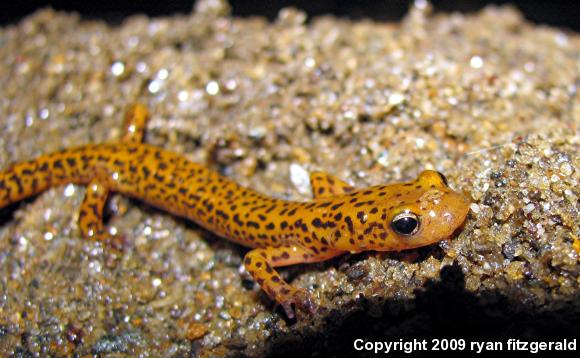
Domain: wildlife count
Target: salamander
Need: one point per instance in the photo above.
(339, 218)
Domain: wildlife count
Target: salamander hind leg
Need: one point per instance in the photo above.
(91, 212)
(135, 122)
(324, 184)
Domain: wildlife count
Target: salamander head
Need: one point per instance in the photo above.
(408, 215)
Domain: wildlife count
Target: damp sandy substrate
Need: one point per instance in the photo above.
(488, 99)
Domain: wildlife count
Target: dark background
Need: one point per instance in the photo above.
(561, 13)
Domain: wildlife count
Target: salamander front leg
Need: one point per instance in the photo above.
(260, 264)
(91, 211)
(326, 185)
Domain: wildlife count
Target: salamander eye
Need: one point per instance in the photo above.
(405, 224)
(443, 178)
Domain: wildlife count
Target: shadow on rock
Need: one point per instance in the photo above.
(442, 309)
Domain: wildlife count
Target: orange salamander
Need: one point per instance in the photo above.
(338, 220)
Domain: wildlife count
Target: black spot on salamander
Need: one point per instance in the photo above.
(292, 212)
(269, 210)
(368, 230)
(57, 164)
(261, 217)
(94, 209)
(338, 216)
(324, 205)
(317, 222)
(171, 198)
(349, 223)
(146, 172)
(330, 224)
(253, 224)
(16, 179)
(188, 204)
(283, 212)
(237, 220)
(285, 255)
(34, 184)
(337, 234)
(361, 217)
(336, 206)
(310, 206)
(162, 166)
(283, 224)
(43, 167)
(353, 200)
(193, 197)
(368, 192)
(298, 223)
(374, 210)
(270, 226)
(222, 214)
(182, 191)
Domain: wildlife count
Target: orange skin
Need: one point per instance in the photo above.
(339, 219)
